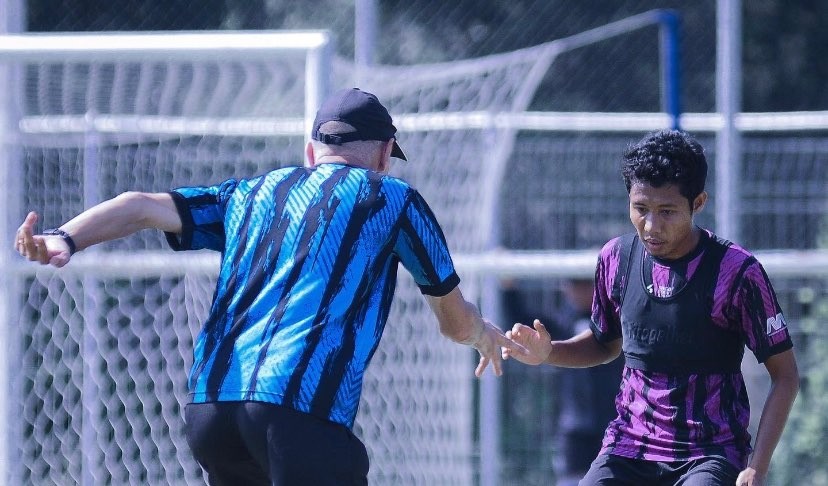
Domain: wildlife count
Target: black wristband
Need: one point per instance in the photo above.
(68, 239)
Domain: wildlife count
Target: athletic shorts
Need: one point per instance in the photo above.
(575, 452)
(254, 443)
(611, 470)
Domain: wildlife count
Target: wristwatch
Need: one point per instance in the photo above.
(68, 239)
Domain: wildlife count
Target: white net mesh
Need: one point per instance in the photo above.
(103, 364)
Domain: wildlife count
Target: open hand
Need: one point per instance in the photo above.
(490, 344)
(536, 344)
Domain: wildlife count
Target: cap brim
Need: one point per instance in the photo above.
(397, 151)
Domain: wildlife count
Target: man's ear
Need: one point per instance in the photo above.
(385, 158)
(699, 202)
(310, 157)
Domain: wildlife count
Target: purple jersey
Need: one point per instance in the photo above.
(669, 417)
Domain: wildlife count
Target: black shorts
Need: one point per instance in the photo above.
(610, 470)
(254, 443)
(575, 452)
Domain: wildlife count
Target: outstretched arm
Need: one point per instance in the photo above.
(112, 219)
(461, 322)
(784, 388)
(579, 351)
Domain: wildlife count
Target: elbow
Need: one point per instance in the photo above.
(129, 197)
(795, 385)
(790, 383)
(132, 204)
(144, 211)
(610, 351)
(795, 381)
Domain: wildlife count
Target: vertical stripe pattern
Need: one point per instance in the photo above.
(666, 417)
(307, 277)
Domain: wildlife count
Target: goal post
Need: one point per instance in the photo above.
(313, 46)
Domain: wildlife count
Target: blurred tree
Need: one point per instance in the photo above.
(97, 15)
(800, 456)
(784, 68)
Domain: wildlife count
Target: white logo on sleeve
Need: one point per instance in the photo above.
(776, 323)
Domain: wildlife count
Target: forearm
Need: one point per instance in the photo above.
(582, 351)
(459, 319)
(461, 322)
(122, 216)
(772, 423)
(470, 334)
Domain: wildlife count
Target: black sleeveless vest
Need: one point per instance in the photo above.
(675, 334)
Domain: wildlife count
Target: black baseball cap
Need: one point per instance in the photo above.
(363, 111)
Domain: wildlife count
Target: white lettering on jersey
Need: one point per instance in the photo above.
(662, 292)
(775, 324)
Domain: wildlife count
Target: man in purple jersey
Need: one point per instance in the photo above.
(681, 304)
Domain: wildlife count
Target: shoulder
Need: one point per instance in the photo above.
(741, 273)
(611, 246)
(285, 172)
(615, 250)
(273, 176)
(395, 183)
(736, 260)
(267, 182)
(613, 261)
(400, 188)
(386, 183)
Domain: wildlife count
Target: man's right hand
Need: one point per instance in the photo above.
(535, 344)
(489, 345)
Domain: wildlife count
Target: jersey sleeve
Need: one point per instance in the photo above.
(202, 211)
(606, 324)
(757, 310)
(422, 249)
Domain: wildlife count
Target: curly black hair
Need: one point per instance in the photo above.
(667, 157)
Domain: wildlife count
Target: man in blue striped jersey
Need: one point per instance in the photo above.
(308, 271)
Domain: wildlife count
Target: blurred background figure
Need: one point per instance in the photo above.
(584, 398)
(586, 395)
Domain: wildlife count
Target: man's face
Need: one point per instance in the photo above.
(664, 220)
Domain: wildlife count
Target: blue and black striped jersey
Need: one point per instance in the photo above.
(308, 271)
